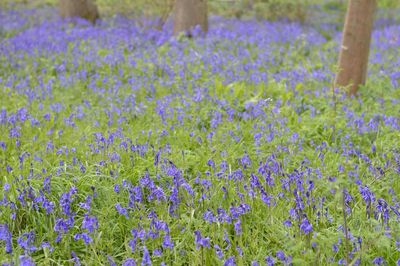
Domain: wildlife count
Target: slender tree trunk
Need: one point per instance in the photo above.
(79, 8)
(188, 14)
(354, 52)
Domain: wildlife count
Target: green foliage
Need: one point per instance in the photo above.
(262, 9)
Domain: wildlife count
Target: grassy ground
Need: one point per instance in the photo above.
(120, 144)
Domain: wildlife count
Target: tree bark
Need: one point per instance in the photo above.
(188, 14)
(79, 8)
(354, 52)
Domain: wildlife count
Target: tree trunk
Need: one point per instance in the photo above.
(188, 14)
(354, 52)
(79, 8)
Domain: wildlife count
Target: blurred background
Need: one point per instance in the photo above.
(293, 10)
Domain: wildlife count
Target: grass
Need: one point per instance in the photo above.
(137, 139)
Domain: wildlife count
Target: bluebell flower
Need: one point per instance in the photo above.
(5, 235)
(201, 241)
(230, 261)
(209, 216)
(157, 252)
(75, 258)
(90, 223)
(66, 199)
(287, 223)
(238, 227)
(26, 241)
(111, 261)
(167, 242)
(84, 236)
(121, 210)
(269, 261)
(218, 251)
(305, 226)
(146, 260)
(379, 261)
(26, 261)
(280, 255)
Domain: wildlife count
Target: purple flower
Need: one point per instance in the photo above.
(26, 241)
(77, 261)
(5, 235)
(382, 208)
(368, 196)
(167, 242)
(157, 252)
(84, 236)
(26, 261)
(201, 241)
(66, 199)
(218, 251)
(86, 204)
(238, 227)
(305, 226)
(379, 261)
(121, 210)
(209, 216)
(280, 255)
(111, 261)
(269, 261)
(230, 261)
(90, 223)
(287, 223)
(129, 262)
(146, 260)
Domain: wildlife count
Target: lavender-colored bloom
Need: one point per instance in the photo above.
(269, 261)
(209, 216)
(218, 251)
(238, 227)
(280, 255)
(26, 261)
(157, 252)
(5, 235)
(379, 261)
(90, 223)
(84, 236)
(347, 200)
(382, 208)
(111, 261)
(368, 196)
(66, 199)
(287, 223)
(305, 226)
(77, 261)
(230, 261)
(116, 188)
(146, 260)
(201, 241)
(129, 262)
(121, 210)
(26, 241)
(86, 204)
(167, 242)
